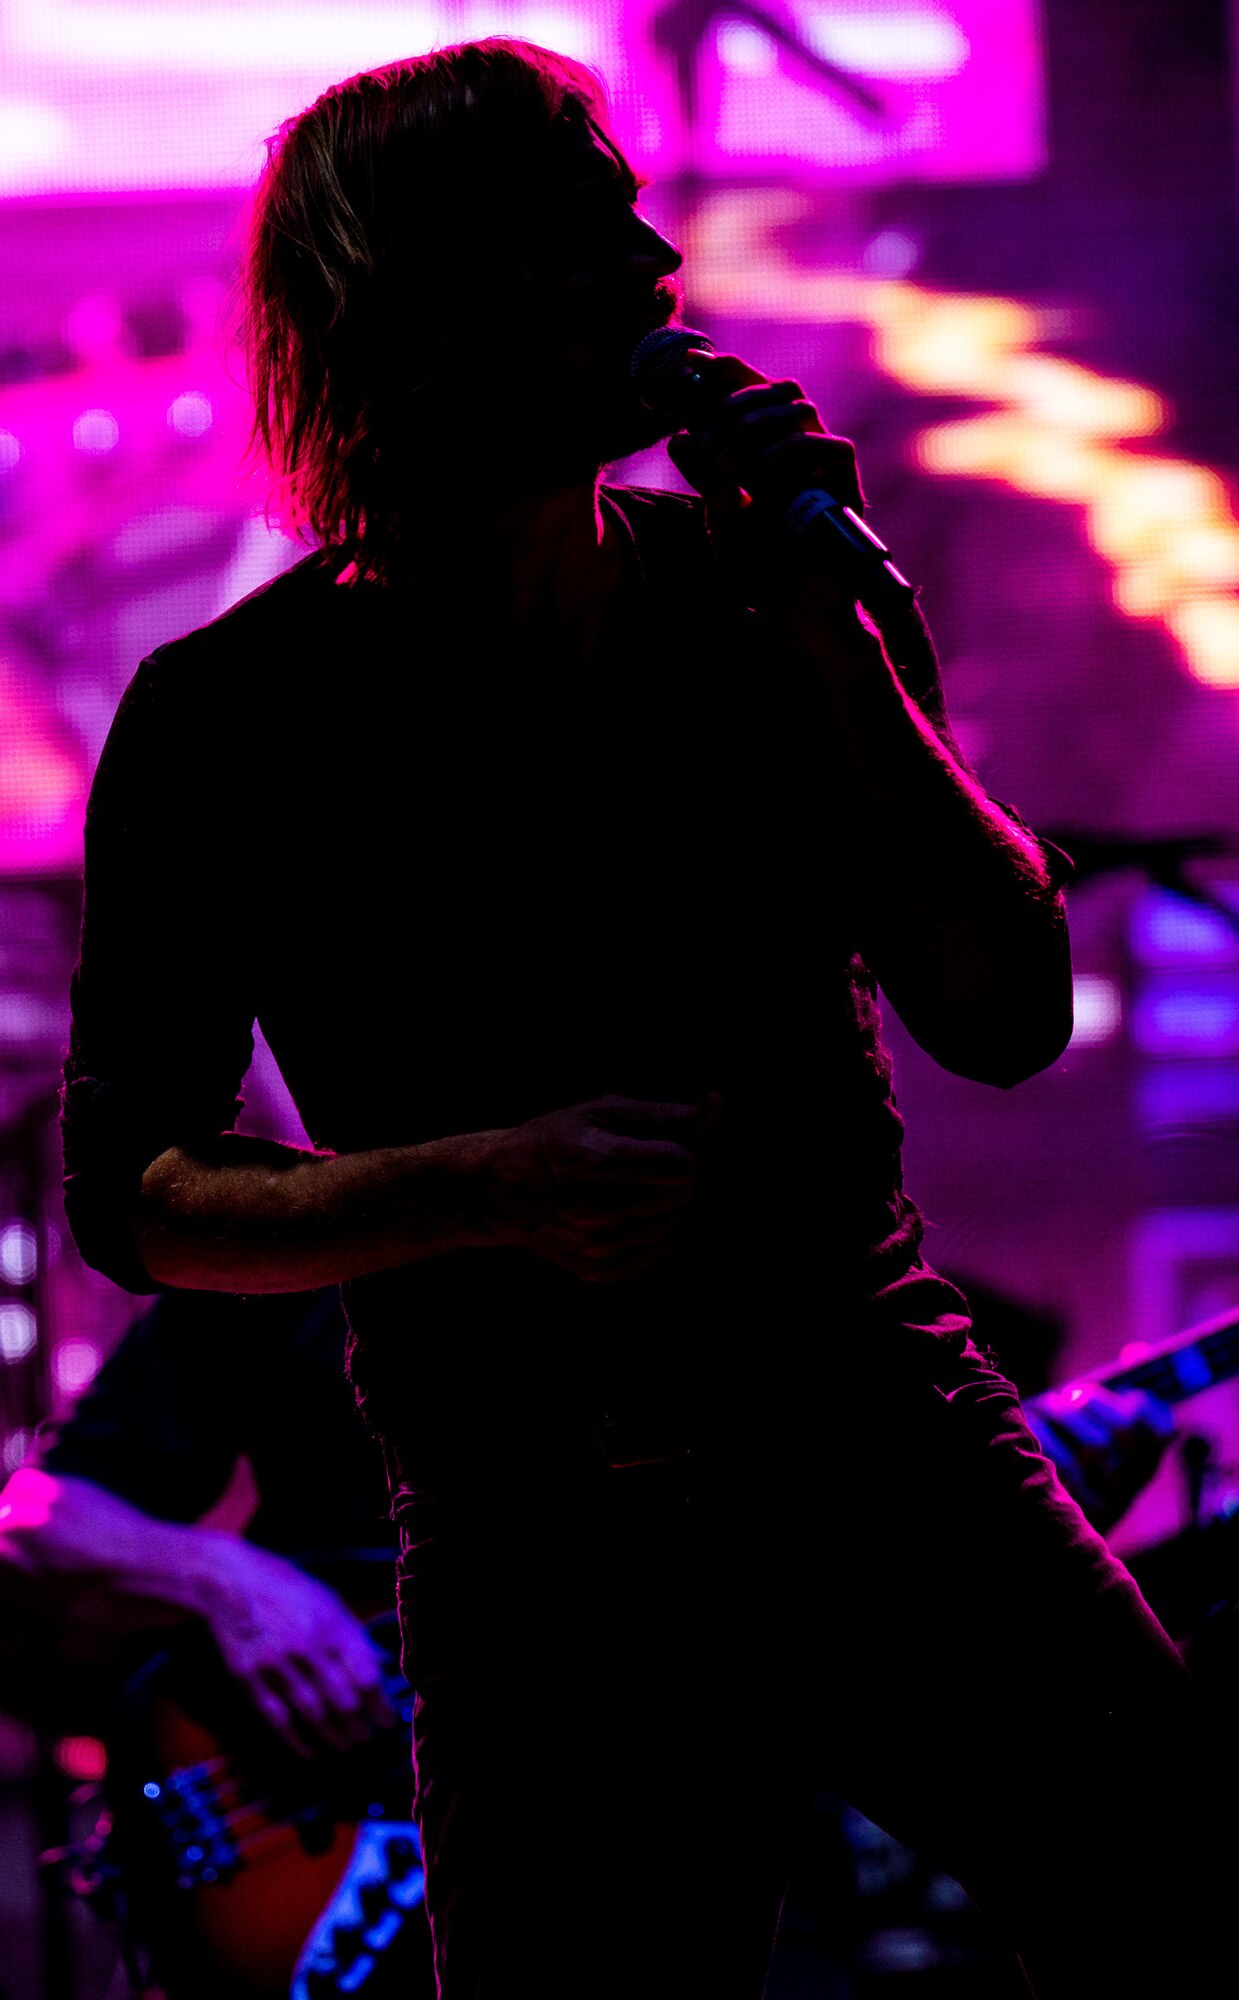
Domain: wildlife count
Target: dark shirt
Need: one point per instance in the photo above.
(460, 882)
(202, 1379)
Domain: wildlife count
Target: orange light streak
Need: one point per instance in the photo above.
(1165, 527)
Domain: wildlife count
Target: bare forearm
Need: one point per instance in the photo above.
(70, 1548)
(254, 1216)
(86, 1570)
(952, 903)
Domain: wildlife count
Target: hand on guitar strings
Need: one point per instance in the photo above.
(295, 1649)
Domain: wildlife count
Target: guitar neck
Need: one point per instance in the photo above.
(1197, 1359)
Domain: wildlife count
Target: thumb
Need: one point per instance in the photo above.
(698, 1117)
(647, 1114)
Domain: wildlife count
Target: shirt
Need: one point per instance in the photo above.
(460, 881)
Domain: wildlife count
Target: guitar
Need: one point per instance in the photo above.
(1196, 1359)
(237, 1867)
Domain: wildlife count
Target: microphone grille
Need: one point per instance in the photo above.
(658, 357)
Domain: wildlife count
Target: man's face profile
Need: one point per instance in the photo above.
(593, 276)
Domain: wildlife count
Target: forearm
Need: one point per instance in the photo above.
(70, 1548)
(253, 1216)
(84, 1566)
(958, 913)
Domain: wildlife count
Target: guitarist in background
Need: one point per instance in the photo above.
(98, 1540)
(233, 1680)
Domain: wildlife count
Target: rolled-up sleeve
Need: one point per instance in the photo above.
(162, 999)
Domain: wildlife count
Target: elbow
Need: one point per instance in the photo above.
(1015, 1018)
(1013, 1067)
(1040, 1016)
(98, 1209)
(1033, 1059)
(993, 1007)
(1000, 1031)
(1008, 1043)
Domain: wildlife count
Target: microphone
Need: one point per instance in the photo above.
(827, 532)
(1162, 857)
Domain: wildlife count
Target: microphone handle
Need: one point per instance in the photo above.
(849, 549)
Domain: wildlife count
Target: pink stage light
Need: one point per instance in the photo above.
(42, 780)
(81, 1758)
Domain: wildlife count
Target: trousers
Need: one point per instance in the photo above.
(630, 1684)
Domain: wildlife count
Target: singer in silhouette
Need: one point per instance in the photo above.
(589, 820)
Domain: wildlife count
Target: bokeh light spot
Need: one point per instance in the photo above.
(19, 1253)
(96, 432)
(76, 1363)
(190, 415)
(16, 1445)
(19, 1330)
(1098, 1010)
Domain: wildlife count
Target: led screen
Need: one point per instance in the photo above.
(134, 95)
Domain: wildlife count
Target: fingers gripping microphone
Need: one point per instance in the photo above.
(829, 532)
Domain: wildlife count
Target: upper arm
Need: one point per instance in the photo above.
(912, 652)
(162, 998)
(974, 955)
(910, 646)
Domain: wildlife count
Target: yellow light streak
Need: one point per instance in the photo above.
(1165, 527)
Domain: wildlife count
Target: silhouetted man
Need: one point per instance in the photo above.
(589, 821)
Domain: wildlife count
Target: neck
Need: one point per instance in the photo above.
(549, 555)
(546, 557)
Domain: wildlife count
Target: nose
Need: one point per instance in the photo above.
(652, 253)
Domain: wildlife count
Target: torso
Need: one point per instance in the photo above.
(495, 885)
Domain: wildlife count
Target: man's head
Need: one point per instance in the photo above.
(446, 275)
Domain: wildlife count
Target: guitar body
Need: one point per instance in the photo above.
(248, 1871)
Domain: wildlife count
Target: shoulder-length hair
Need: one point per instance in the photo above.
(384, 222)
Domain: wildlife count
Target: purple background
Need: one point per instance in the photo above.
(1001, 255)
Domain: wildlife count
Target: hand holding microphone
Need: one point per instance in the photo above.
(746, 438)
